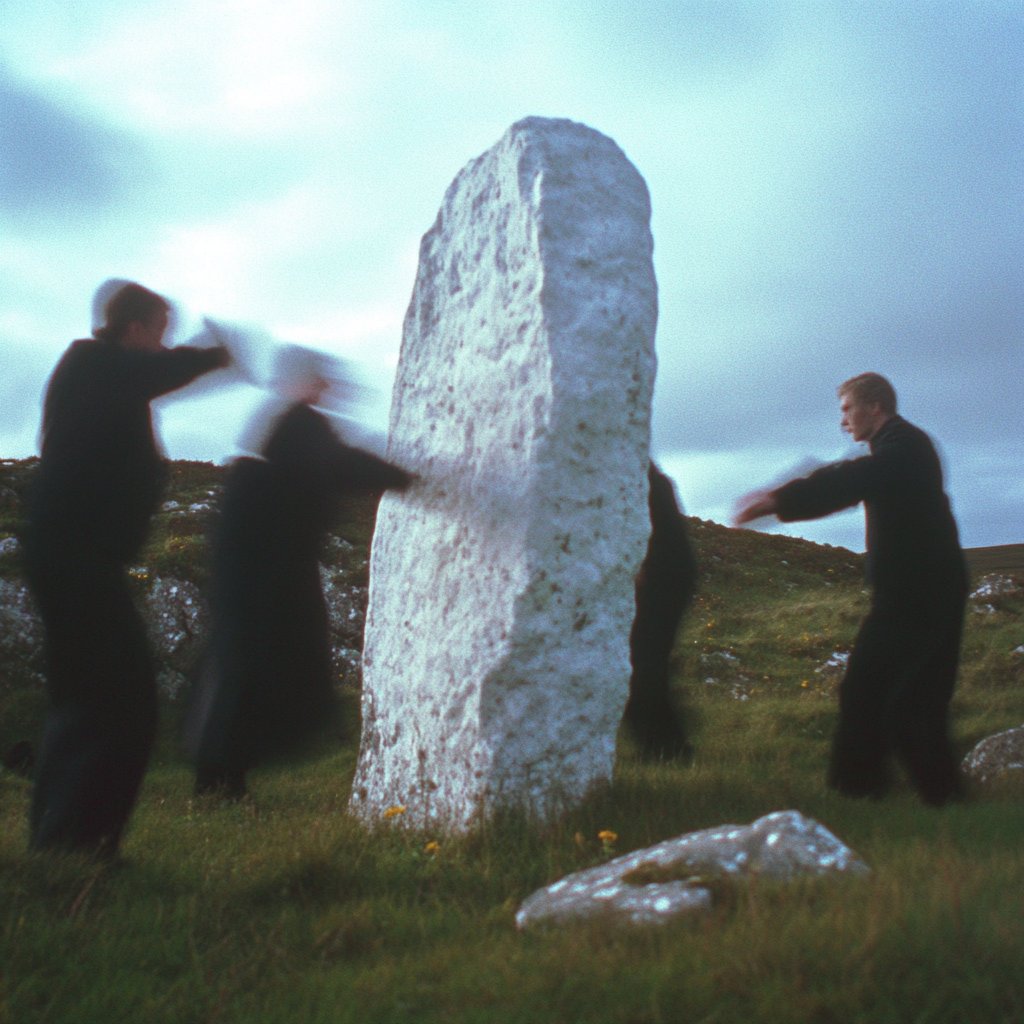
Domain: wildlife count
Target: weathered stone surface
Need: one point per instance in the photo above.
(346, 616)
(997, 756)
(176, 618)
(21, 633)
(496, 660)
(677, 876)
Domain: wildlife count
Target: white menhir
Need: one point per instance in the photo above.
(496, 657)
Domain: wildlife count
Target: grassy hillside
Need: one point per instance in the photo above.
(1002, 558)
(281, 908)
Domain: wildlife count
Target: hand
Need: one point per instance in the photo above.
(753, 506)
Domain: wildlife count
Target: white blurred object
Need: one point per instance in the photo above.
(804, 467)
(250, 350)
(300, 371)
(286, 373)
(324, 381)
(257, 429)
(243, 345)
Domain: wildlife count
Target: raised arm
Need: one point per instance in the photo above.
(364, 471)
(304, 440)
(827, 490)
(157, 373)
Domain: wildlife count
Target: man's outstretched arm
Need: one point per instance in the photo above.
(753, 506)
(827, 490)
(158, 373)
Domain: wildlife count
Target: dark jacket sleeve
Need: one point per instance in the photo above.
(304, 441)
(360, 470)
(901, 473)
(157, 373)
(827, 490)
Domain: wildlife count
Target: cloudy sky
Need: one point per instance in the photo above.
(836, 187)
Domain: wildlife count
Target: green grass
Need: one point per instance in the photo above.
(282, 908)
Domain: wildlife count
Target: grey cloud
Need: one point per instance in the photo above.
(54, 160)
(913, 265)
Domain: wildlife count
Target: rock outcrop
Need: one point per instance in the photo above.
(998, 756)
(496, 659)
(680, 876)
(21, 629)
(993, 592)
(178, 624)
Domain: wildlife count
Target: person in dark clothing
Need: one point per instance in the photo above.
(267, 688)
(899, 681)
(665, 587)
(98, 482)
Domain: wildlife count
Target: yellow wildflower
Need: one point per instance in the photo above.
(431, 847)
(393, 812)
(607, 837)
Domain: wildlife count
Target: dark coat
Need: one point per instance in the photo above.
(668, 573)
(894, 697)
(97, 484)
(271, 687)
(665, 586)
(101, 474)
(913, 549)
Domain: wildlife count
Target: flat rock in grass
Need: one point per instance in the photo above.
(997, 756)
(496, 656)
(679, 876)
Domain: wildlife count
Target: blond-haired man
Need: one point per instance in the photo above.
(902, 671)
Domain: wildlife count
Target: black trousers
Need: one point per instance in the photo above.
(895, 698)
(102, 687)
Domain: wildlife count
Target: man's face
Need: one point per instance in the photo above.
(860, 421)
(146, 336)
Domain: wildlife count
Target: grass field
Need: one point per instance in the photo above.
(281, 908)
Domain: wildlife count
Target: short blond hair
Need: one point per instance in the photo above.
(870, 389)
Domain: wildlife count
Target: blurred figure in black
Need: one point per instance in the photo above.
(665, 587)
(267, 687)
(98, 482)
(900, 677)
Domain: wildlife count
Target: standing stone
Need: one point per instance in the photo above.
(496, 655)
